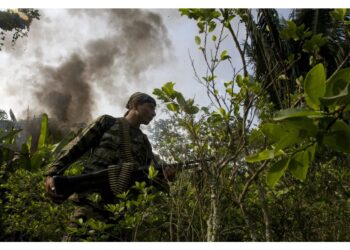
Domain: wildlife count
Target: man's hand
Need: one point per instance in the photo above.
(169, 173)
(51, 190)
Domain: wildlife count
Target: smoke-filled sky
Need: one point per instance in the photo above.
(78, 64)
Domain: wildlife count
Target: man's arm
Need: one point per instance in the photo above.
(86, 139)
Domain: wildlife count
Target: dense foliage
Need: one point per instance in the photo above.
(277, 129)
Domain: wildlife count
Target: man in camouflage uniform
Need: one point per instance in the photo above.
(101, 140)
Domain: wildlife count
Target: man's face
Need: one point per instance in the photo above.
(146, 112)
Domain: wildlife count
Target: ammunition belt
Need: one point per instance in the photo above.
(119, 175)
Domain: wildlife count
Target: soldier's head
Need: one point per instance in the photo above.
(142, 107)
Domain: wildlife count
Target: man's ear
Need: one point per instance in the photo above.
(133, 106)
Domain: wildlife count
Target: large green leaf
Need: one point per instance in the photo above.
(301, 161)
(315, 86)
(304, 125)
(342, 98)
(273, 131)
(264, 155)
(43, 131)
(339, 137)
(293, 112)
(157, 92)
(168, 89)
(337, 82)
(173, 107)
(289, 140)
(282, 134)
(276, 171)
(180, 100)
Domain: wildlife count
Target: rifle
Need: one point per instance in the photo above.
(103, 180)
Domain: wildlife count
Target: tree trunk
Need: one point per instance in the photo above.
(213, 221)
(264, 208)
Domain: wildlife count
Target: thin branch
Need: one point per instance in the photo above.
(229, 27)
(249, 182)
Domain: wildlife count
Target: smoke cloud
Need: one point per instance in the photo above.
(66, 92)
(110, 62)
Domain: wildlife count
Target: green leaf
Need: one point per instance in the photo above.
(312, 150)
(339, 137)
(276, 172)
(288, 132)
(157, 92)
(29, 142)
(342, 98)
(304, 125)
(292, 31)
(198, 40)
(275, 132)
(264, 155)
(239, 80)
(200, 25)
(214, 38)
(222, 111)
(229, 91)
(43, 131)
(337, 82)
(226, 84)
(192, 110)
(289, 140)
(181, 100)
(212, 26)
(37, 160)
(293, 112)
(173, 107)
(315, 86)
(224, 55)
(168, 89)
(299, 164)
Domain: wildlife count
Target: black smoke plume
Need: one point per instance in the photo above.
(137, 41)
(66, 92)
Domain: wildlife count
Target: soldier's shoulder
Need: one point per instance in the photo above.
(107, 118)
(105, 121)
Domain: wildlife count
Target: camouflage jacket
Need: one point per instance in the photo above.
(102, 141)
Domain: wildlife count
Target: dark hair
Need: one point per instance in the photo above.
(140, 98)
